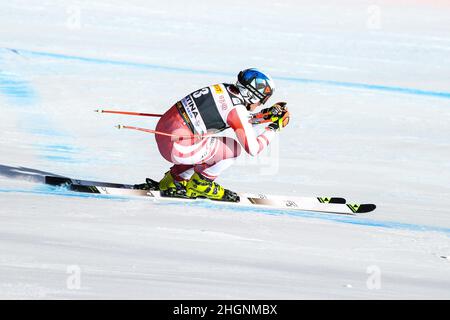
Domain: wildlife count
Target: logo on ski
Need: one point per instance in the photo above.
(291, 204)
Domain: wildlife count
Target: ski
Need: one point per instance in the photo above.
(318, 204)
(136, 190)
(95, 186)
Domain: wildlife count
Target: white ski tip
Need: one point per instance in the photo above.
(119, 126)
(98, 110)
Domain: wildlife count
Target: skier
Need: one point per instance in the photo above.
(198, 157)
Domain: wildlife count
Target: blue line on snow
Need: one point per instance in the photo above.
(354, 220)
(21, 94)
(60, 191)
(373, 87)
(60, 148)
(61, 159)
(15, 89)
(353, 85)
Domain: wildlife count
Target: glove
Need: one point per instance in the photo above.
(270, 114)
(276, 110)
(279, 116)
(279, 123)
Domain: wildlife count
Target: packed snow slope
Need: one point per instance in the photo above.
(368, 86)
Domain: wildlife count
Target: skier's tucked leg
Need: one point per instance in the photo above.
(207, 159)
(202, 182)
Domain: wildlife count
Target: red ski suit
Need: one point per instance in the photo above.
(205, 112)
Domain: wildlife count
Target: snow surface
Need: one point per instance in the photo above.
(368, 87)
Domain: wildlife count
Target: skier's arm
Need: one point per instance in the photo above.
(253, 145)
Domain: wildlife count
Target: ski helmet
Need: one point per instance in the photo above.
(255, 86)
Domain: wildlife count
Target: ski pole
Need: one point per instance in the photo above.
(259, 118)
(121, 126)
(129, 113)
(255, 120)
(255, 117)
(260, 115)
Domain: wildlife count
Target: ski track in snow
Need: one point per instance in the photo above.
(360, 220)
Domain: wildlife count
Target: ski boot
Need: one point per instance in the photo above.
(201, 187)
(169, 187)
(149, 184)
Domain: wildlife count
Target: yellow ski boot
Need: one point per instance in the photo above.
(170, 187)
(201, 187)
